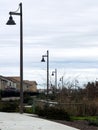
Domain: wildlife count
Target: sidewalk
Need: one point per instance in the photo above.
(16, 121)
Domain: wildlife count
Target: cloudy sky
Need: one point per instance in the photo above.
(67, 28)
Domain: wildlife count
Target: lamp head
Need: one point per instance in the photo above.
(52, 74)
(11, 21)
(43, 60)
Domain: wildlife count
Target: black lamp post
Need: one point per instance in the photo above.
(55, 72)
(12, 22)
(43, 60)
(61, 79)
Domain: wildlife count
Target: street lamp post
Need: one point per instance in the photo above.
(55, 72)
(43, 60)
(61, 79)
(12, 22)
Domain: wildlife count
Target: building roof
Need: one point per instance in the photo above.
(17, 79)
(30, 82)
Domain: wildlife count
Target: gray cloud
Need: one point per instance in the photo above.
(67, 28)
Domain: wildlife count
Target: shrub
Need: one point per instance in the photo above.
(9, 106)
(27, 98)
(93, 122)
(91, 108)
(28, 110)
(52, 113)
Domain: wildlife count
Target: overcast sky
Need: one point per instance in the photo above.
(67, 28)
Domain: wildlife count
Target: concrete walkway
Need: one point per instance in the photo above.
(16, 121)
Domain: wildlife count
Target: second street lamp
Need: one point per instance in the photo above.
(43, 60)
(55, 72)
(61, 79)
(12, 22)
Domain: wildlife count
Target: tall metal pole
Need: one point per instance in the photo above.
(21, 60)
(43, 60)
(47, 73)
(56, 78)
(62, 82)
(61, 79)
(11, 22)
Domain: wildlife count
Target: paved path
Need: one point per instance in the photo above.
(16, 121)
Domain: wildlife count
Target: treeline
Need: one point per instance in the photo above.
(76, 94)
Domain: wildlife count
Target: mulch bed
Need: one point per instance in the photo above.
(79, 124)
(82, 125)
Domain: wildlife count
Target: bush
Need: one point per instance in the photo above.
(91, 108)
(9, 106)
(93, 122)
(28, 110)
(52, 113)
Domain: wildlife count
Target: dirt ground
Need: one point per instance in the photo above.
(82, 125)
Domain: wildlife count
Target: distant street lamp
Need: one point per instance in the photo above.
(55, 72)
(12, 22)
(43, 60)
(61, 79)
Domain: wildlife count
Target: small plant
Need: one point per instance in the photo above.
(28, 110)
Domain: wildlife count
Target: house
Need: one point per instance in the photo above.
(13, 83)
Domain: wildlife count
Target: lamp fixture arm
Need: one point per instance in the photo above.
(16, 12)
(44, 55)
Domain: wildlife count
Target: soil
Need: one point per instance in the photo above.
(79, 124)
(82, 125)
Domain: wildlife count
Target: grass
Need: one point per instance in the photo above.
(84, 117)
(92, 120)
